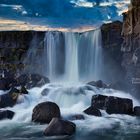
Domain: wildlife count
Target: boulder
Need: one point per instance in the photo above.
(6, 114)
(32, 80)
(98, 84)
(117, 105)
(9, 99)
(58, 127)
(76, 117)
(44, 112)
(93, 111)
(137, 110)
(113, 105)
(7, 83)
(99, 101)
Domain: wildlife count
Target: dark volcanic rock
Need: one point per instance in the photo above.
(76, 117)
(9, 99)
(131, 47)
(99, 84)
(93, 111)
(135, 2)
(6, 114)
(44, 112)
(14, 46)
(99, 101)
(112, 55)
(7, 83)
(23, 90)
(113, 105)
(32, 80)
(111, 35)
(4, 84)
(112, 40)
(137, 110)
(117, 105)
(58, 127)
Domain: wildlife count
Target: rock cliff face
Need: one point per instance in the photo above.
(131, 46)
(13, 48)
(112, 41)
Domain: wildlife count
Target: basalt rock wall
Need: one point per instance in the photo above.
(13, 49)
(131, 46)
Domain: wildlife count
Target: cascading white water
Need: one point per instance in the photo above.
(49, 56)
(90, 58)
(67, 56)
(71, 57)
(82, 56)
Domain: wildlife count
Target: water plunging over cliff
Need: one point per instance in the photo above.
(82, 55)
(67, 56)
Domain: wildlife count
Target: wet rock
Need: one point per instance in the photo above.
(137, 110)
(99, 101)
(93, 111)
(32, 80)
(131, 47)
(117, 105)
(7, 83)
(9, 99)
(111, 42)
(98, 84)
(23, 90)
(135, 2)
(44, 112)
(3, 84)
(45, 92)
(58, 127)
(113, 105)
(111, 35)
(6, 114)
(76, 117)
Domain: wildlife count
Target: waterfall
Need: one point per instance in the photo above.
(71, 56)
(83, 54)
(90, 55)
(51, 41)
(68, 56)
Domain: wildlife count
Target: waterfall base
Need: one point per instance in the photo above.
(72, 99)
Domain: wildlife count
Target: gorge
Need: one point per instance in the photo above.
(81, 84)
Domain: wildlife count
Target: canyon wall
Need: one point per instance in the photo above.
(13, 48)
(131, 47)
(112, 41)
